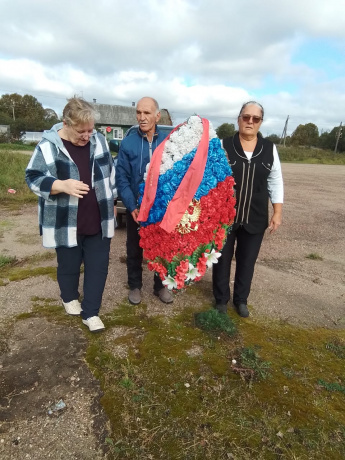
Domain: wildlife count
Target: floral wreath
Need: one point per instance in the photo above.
(187, 204)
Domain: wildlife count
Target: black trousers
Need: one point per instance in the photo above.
(247, 251)
(135, 258)
(94, 252)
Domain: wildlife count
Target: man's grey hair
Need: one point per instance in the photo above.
(153, 100)
(252, 103)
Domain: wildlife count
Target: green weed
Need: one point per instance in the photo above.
(332, 386)
(6, 260)
(250, 359)
(337, 347)
(314, 256)
(213, 321)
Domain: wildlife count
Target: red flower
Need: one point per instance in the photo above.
(217, 214)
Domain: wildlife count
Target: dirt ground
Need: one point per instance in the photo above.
(43, 363)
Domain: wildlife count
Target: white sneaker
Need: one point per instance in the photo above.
(73, 307)
(94, 324)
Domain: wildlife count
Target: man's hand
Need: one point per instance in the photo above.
(71, 187)
(135, 215)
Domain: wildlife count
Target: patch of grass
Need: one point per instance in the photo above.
(337, 347)
(4, 226)
(213, 321)
(6, 260)
(48, 308)
(332, 386)
(12, 175)
(314, 256)
(310, 156)
(25, 268)
(250, 359)
(16, 146)
(24, 273)
(164, 402)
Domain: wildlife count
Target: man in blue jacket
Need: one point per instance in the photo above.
(135, 153)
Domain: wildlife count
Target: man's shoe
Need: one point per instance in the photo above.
(164, 295)
(222, 308)
(94, 323)
(73, 307)
(134, 296)
(242, 309)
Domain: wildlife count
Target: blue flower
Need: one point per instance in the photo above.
(216, 170)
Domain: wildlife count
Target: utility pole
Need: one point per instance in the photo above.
(284, 131)
(13, 104)
(339, 135)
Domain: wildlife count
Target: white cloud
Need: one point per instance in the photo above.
(193, 56)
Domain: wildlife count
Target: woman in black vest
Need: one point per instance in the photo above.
(257, 172)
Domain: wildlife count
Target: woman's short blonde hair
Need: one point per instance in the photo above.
(77, 111)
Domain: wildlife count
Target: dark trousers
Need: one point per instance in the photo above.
(94, 252)
(135, 257)
(247, 251)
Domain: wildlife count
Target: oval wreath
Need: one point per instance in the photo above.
(187, 204)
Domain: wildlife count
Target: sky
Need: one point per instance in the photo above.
(193, 56)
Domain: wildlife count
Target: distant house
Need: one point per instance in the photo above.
(114, 120)
(5, 131)
(32, 136)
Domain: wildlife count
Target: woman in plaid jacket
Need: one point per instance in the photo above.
(72, 173)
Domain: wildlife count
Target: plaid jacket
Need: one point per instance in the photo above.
(57, 214)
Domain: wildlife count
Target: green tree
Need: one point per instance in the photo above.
(25, 113)
(24, 107)
(274, 138)
(327, 140)
(307, 135)
(225, 130)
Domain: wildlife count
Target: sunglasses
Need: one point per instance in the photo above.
(255, 118)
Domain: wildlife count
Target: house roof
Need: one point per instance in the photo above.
(121, 115)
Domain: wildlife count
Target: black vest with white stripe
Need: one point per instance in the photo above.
(250, 182)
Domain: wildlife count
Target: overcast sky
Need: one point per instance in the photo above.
(196, 56)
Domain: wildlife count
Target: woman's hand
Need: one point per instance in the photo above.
(71, 187)
(276, 219)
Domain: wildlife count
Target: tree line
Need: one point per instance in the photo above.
(304, 136)
(24, 113)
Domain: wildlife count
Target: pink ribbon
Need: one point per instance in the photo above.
(187, 188)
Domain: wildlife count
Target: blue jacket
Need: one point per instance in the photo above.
(58, 213)
(134, 155)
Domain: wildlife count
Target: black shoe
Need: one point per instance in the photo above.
(222, 308)
(242, 309)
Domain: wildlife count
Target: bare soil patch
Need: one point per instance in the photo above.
(42, 362)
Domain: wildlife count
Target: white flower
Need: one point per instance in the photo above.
(183, 141)
(192, 272)
(234, 361)
(212, 258)
(187, 385)
(170, 283)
